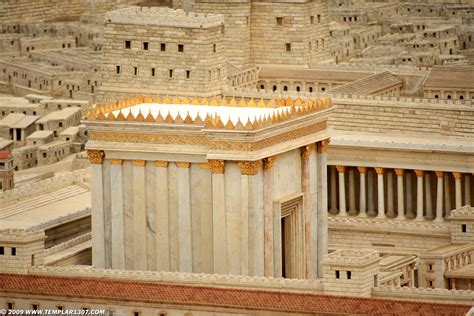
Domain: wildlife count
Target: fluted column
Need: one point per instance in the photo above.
(419, 194)
(96, 158)
(447, 195)
(322, 230)
(162, 217)
(409, 204)
(467, 189)
(342, 191)
(370, 194)
(269, 260)
(332, 190)
(184, 218)
(457, 188)
(390, 207)
(380, 193)
(362, 191)
(117, 216)
(139, 216)
(352, 199)
(219, 216)
(429, 204)
(439, 195)
(400, 199)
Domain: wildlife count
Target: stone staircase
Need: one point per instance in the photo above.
(42, 200)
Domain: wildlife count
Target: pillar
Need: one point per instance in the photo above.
(457, 188)
(269, 260)
(184, 218)
(117, 215)
(370, 195)
(96, 158)
(332, 190)
(362, 191)
(409, 203)
(342, 191)
(390, 207)
(400, 199)
(419, 194)
(380, 193)
(439, 195)
(467, 189)
(429, 204)
(257, 222)
(162, 217)
(139, 216)
(322, 228)
(219, 216)
(447, 195)
(352, 200)
(309, 188)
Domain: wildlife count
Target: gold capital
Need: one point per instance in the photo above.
(439, 173)
(115, 161)
(323, 146)
(379, 170)
(268, 162)
(362, 169)
(161, 163)
(457, 175)
(96, 156)
(183, 164)
(306, 151)
(139, 163)
(400, 172)
(216, 166)
(341, 168)
(419, 173)
(250, 168)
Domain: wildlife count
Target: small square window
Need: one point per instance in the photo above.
(188, 74)
(288, 47)
(117, 70)
(214, 48)
(337, 274)
(279, 21)
(312, 19)
(170, 73)
(34, 306)
(10, 305)
(349, 275)
(145, 45)
(59, 307)
(128, 44)
(135, 71)
(136, 313)
(464, 228)
(180, 48)
(2, 251)
(152, 72)
(163, 47)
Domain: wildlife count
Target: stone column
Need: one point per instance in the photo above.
(467, 189)
(162, 217)
(457, 188)
(439, 195)
(250, 170)
(352, 200)
(269, 268)
(184, 218)
(117, 215)
(447, 195)
(322, 228)
(309, 188)
(410, 213)
(400, 199)
(380, 194)
(218, 216)
(342, 191)
(390, 207)
(419, 194)
(332, 190)
(370, 195)
(429, 204)
(96, 158)
(139, 216)
(257, 226)
(362, 191)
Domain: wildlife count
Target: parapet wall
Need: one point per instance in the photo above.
(435, 295)
(42, 187)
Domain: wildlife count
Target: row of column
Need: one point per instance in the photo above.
(386, 208)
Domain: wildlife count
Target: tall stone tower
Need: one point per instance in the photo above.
(160, 50)
(290, 32)
(6, 171)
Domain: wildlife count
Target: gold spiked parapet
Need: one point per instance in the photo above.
(292, 108)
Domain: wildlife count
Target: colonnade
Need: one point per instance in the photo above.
(397, 193)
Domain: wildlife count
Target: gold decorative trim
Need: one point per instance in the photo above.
(96, 157)
(457, 175)
(362, 169)
(379, 170)
(216, 166)
(139, 163)
(399, 172)
(148, 138)
(183, 164)
(439, 174)
(162, 164)
(341, 168)
(115, 161)
(306, 151)
(268, 162)
(419, 173)
(250, 168)
(323, 145)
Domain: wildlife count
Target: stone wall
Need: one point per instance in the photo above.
(424, 294)
(20, 250)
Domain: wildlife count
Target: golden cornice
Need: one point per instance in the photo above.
(139, 163)
(115, 161)
(96, 156)
(161, 163)
(306, 151)
(268, 162)
(183, 164)
(250, 168)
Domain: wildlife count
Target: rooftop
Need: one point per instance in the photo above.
(269, 72)
(60, 115)
(18, 120)
(369, 85)
(454, 77)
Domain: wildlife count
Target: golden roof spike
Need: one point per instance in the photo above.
(229, 125)
(271, 104)
(252, 103)
(298, 101)
(130, 116)
(243, 102)
(120, 116)
(233, 102)
(208, 122)
(223, 102)
(204, 101)
(110, 117)
(218, 122)
(168, 118)
(140, 116)
(167, 100)
(100, 116)
(159, 118)
(158, 99)
(195, 101)
(248, 126)
(186, 100)
(148, 99)
(261, 103)
(178, 119)
(280, 102)
(214, 102)
(239, 125)
(149, 117)
(176, 100)
(188, 119)
(198, 120)
(289, 101)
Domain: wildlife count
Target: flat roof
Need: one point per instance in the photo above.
(40, 134)
(59, 115)
(369, 85)
(275, 72)
(18, 120)
(450, 77)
